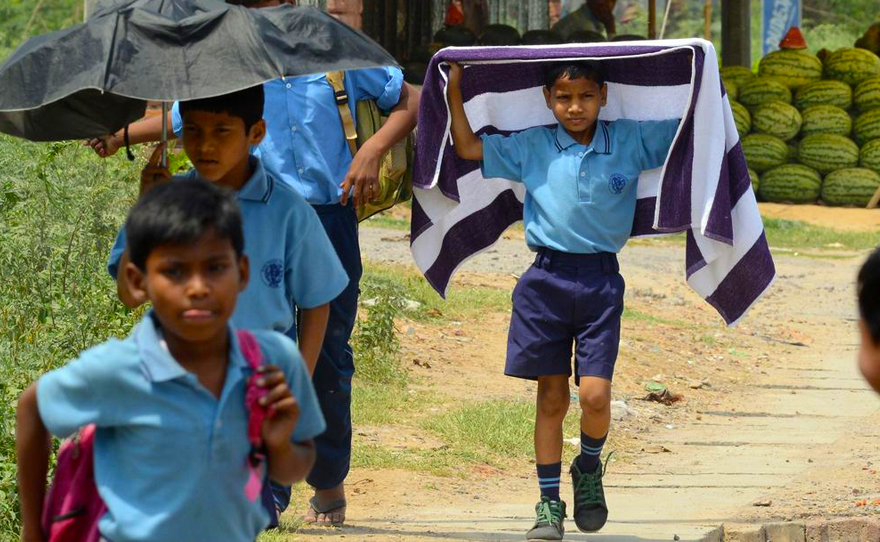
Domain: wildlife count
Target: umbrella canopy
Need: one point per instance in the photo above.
(94, 78)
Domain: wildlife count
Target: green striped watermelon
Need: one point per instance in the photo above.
(825, 119)
(867, 94)
(850, 186)
(761, 91)
(736, 74)
(792, 67)
(869, 156)
(777, 119)
(827, 152)
(867, 126)
(764, 151)
(824, 93)
(756, 180)
(794, 183)
(742, 118)
(851, 65)
(732, 90)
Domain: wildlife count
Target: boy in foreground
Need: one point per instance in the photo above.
(869, 319)
(171, 445)
(580, 178)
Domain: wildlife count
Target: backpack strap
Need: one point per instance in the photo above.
(337, 81)
(250, 349)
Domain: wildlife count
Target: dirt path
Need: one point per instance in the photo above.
(783, 420)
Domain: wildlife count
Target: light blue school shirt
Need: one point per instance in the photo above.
(305, 144)
(579, 199)
(170, 458)
(292, 262)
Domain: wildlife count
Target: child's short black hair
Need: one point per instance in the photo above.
(869, 294)
(179, 213)
(245, 104)
(574, 69)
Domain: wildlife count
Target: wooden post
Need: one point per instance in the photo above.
(875, 199)
(736, 33)
(707, 17)
(652, 19)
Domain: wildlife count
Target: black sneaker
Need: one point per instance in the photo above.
(590, 509)
(549, 523)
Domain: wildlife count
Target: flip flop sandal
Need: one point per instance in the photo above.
(329, 509)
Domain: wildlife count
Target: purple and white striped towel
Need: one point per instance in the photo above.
(703, 189)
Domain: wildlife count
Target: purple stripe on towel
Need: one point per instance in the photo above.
(419, 221)
(739, 173)
(745, 282)
(694, 260)
(720, 226)
(471, 235)
(675, 204)
(643, 222)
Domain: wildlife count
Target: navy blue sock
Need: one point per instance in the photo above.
(591, 449)
(548, 480)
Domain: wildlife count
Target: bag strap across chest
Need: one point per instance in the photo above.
(337, 81)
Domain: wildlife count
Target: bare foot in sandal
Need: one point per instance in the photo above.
(327, 507)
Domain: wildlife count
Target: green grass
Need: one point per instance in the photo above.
(795, 234)
(634, 315)
(810, 240)
(496, 431)
(446, 462)
(382, 221)
(382, 404)
(463, 301)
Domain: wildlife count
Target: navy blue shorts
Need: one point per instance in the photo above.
(563, 300)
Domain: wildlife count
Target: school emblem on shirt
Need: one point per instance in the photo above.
(272, 273)
(616, 183)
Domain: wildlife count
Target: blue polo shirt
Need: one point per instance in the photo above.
(292, 262)
(305, 144)
(170, 458)
(579, 199)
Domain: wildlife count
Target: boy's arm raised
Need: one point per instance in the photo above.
(32, 446)
(143, 131)
(467, 144)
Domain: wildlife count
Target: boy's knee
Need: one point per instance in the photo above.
(553, 402)
(595, 399)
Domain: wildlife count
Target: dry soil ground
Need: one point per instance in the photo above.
(774, 424)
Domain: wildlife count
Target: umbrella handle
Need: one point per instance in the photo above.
(127, 142)
(164, 161)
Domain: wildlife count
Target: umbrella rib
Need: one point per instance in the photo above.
(110, 53)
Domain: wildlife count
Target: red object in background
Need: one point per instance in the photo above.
(793, 39)
(454, 15)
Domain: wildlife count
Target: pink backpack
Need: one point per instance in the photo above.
(73, 506)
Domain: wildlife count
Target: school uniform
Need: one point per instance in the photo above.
(305, 146)
(291, 259)
(170, 457)
(578, 213)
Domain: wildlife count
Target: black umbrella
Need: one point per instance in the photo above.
(94, 78)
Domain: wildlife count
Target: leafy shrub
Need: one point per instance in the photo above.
(375, 343)
(60, 208)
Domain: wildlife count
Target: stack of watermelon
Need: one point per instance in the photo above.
(809, 127)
